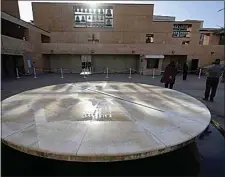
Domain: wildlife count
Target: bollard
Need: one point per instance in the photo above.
(130, 74)
(61, 73)
(153, 73)
(107, 73)
(84, 73)
(200, 72)
(17, 73)
(35, 74)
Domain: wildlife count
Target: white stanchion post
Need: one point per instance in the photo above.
(153, 73)
(107, 73)
(61, 73)
(130, 74)
(84, 74)
(200, 72)
(17, 73)
(35, 74)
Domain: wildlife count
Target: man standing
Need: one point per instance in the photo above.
(185, 71)
(212, 81)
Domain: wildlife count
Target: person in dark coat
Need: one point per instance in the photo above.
(223, 75)
(185, 71)
(170, 75)
(212, 81)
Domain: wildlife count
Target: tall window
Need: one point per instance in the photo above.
(222, 39)
(181, 30)
(201, 39)
(204, 39)
(101, 17)
(152, 63)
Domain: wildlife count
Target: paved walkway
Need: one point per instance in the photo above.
(193, 86)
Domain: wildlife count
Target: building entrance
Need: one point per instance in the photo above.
(86, 65)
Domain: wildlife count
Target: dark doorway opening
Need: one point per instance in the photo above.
(9, 65)
(194, 64)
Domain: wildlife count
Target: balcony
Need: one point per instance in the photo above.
(13, 46)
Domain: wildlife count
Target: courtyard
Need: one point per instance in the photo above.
(193, 86)
(211, 147)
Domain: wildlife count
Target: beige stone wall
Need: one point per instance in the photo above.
(164, 49)
(70, 63)
(35, 40)
(31, 48)
(59, 17)
(116, 63)
(10, 7)
(131, 24)
(202, 52)
(23, 23)
(215, 39)
(13, 46)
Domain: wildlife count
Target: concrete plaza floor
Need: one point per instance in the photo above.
(211, 147)
(193, 86)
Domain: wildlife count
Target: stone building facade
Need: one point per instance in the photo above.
(134, 37)
(119, 37)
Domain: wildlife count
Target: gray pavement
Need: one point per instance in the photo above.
(192, 86)
(211, 147)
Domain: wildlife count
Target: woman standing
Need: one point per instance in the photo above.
(170, 75)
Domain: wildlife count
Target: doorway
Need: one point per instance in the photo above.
(194, 64)
(9, 65)
(86, 65)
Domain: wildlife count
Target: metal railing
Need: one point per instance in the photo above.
(85, 73)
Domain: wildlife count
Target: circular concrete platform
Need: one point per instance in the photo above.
(101, 121)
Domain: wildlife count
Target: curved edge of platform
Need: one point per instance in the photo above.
(97, 158)
(218, 127)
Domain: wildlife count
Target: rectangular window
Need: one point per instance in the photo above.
(149, 38)
(201, 39)
(45, 39)
(152, 63)
(204, 39)
(222, 39)
(101, 17)
(181, 30)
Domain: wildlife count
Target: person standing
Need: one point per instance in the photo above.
(170, 75)
(212, 81)
(185, 71)
(223, 77)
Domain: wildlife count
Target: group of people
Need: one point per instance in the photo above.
(213, 75)
(170, 73)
